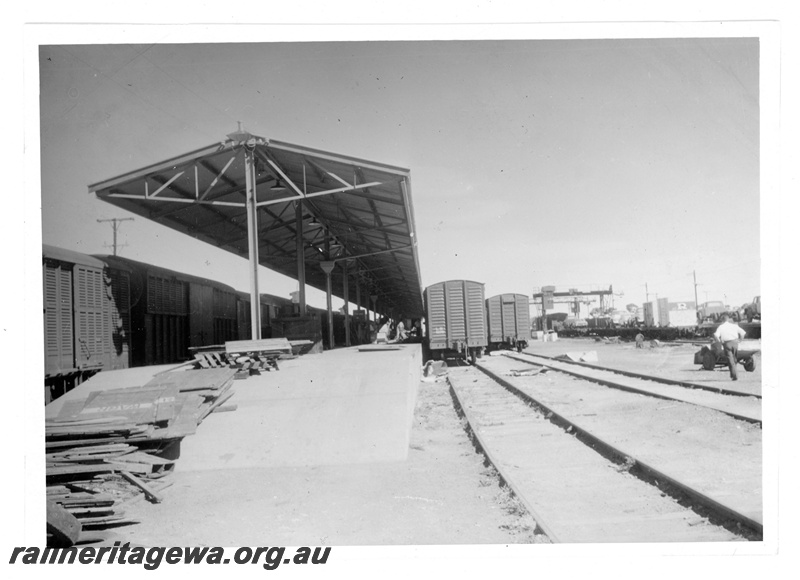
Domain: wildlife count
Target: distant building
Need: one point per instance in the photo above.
(662, 312)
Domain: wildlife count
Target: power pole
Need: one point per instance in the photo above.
(115, 226)
(696, 303)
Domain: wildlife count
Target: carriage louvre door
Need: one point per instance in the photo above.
(59, 349)
(437, 317)
(509, 316)
(90, 316)
(523, 318)
(224, 306)
(456, 315)
(476, 314)
(495, 308)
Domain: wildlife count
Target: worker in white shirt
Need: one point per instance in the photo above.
(729, 334)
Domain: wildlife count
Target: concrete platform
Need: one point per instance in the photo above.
(341, 406)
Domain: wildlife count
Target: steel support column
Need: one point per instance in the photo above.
(252, 242)
(327, 267)
(301, 256)
(346, 303)
(358, 289)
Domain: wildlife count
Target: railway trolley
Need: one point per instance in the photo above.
(456, 319)
(713, 355)
(508, 319)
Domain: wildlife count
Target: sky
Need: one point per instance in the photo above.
(579, 163)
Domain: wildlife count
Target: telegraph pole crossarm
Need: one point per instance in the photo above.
(115, 226)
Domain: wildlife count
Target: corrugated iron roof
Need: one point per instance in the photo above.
(364, 206)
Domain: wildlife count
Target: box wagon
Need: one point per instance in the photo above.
(508, 318)
(170, 312)
(84, 319)
(456, 318)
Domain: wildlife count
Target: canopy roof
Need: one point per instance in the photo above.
(363, 208)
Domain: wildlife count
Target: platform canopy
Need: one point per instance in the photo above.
(329, 207)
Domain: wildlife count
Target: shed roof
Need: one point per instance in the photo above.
(364, 206)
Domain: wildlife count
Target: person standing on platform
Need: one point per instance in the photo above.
(729, 334)
(401, 331)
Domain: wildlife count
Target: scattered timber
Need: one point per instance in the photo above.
(117, 445)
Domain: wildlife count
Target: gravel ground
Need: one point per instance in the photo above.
(711, 452)
(442, 494)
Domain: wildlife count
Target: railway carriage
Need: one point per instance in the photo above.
(456, 319)
(171, 312)
(508, 319)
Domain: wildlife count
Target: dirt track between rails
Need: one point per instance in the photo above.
(443, 494)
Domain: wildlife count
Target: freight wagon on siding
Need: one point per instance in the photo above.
(171, 312)
(86, 319)
(508, 318)
(456, 319)
(109, 312)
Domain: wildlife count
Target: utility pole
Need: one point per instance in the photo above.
(115, 226)
(696, 303)
(646, 293)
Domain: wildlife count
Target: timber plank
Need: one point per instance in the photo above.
(276, 345)
(151, 494)
(62, 526)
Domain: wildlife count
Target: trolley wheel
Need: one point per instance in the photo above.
(709, 360)
(750, 364)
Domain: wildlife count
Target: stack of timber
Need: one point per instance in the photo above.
(116, 446)
(247, 356)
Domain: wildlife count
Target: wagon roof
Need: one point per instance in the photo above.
(365, 207)
(70, 256)
(133, 265)
(515, 294)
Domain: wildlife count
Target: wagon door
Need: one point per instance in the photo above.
(59, 353)
(92, 317)
(475, 314)
(165, 322)
(493, 316)
(509, 302)
(456, 304)
(436, 323)
(523, 312)
(201, 315)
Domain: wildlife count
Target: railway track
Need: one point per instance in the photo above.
(736, 404)
(590, 474)
(686, 384)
